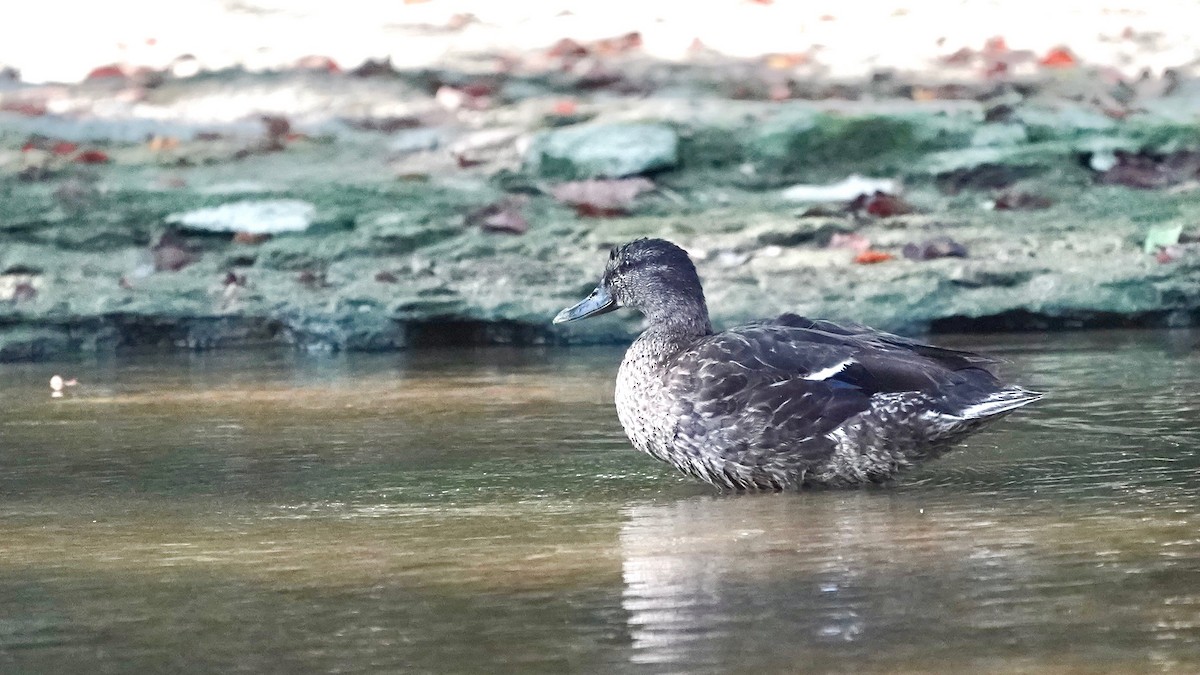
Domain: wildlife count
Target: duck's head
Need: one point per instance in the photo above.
(653, 276)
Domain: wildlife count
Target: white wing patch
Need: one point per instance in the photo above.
(826, 373)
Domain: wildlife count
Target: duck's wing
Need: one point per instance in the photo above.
(951, 358)
(770, 394)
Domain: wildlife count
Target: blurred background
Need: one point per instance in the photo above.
(380, 175)
(179, 180)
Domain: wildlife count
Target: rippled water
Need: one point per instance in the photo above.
(481, 511)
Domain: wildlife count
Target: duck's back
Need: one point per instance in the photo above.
(795, 402)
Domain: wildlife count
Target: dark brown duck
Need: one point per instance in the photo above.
(783, 403)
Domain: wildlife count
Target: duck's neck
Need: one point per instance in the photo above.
(668, 332)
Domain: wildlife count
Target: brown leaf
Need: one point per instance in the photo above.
(880, 205)
(506, 215)
(601, 197)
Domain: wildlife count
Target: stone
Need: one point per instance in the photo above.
(267, 216)
(603, 151)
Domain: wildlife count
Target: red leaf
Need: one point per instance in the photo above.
(91, 157)
(1059, 57)
(104, 72)
(870, 257)
(315, 62)
(880, 205)
(64, 148)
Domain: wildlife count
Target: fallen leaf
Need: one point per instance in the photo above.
(111, 70)
(64, 148)
(91, 157)
(938, 247)
(1059, 57)
(600, 198)
(870, 257)
(506, 215)
(880, 205)
(320, 63)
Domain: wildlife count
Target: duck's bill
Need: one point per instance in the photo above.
(599, 302)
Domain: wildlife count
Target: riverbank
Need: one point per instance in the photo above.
(371, 206)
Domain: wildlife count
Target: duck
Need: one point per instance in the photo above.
(784, 403)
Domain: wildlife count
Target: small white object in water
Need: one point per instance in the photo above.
(57, 383)
(848, 189)
(266, 216)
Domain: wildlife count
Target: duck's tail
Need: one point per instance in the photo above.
(999, 403)
(967, 419)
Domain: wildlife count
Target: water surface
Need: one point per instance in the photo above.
(482, 511)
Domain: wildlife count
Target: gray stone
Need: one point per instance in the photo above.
(603, 151)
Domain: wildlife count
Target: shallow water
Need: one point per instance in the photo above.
(481, 510)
